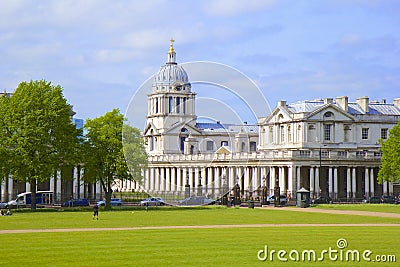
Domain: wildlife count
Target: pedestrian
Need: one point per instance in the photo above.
(147, 205)
(95, 212)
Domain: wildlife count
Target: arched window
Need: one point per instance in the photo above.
(152, 141)
(182, 136)
(329, 115)
(289, 131)
(170, 104)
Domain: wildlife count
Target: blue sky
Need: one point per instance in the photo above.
(100, 51)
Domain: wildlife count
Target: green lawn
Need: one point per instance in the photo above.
(363, 207)
(187, 247)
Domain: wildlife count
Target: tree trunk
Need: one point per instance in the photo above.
(33, 194)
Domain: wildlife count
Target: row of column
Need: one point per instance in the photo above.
(351, 182)
(9, 190)
(172, 179)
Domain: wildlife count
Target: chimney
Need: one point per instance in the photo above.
(396, 102)
(383, 101)
(282, 103)
(343, 102)
(328, 100)
(363, 102)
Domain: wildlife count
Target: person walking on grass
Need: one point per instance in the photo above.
(95, 212)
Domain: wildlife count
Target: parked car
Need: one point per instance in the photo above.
(282, 200)
(75, 203)
(113, 202)
(3, 205)
(152, 201)
(322, 200)
(381, 199)
(196, 200)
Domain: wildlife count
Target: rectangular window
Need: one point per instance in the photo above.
(170, 104)
(224, 143)
(210, 146)
(364, 133)
(327, 132)
(282, 134)
(253, 146)
(184, 105)
(178, 104)
(384, 133)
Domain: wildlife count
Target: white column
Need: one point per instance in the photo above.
(4, 193)
(196, 177)
(27, 187)
(52, 183)
(371, 173)
(312, 182)
(256, 178)
(317, 181)
(11, 188)
(283, 177)
(168, 179)
(298, 182)
(335, 183)
(348, 179)
(211, 180)
(272, 179)
(354, 182)
(291, 175)
(245, 178)
(203, 177)
(366, 182)
(154, 180)
(58, 186)
(390, 188)
(330, 181)
(179, 178)
(217, 181)
(191, 178)
(158, 179)
(99, 193)
(385, 188)
(173, 179)
(232, 177)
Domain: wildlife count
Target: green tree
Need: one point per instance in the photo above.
(390, 163)
(104, 152)
(38, 133)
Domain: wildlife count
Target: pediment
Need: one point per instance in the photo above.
(176, 129)
(279, 114)
(336, 113)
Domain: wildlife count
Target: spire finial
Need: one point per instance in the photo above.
(171, 52)
(171, 45)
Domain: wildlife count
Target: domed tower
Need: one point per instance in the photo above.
(171, 113)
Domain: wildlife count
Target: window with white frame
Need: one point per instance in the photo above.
(327, 132)
(289, 131)
(364, 133)
(210, 146)
(253, 146)
(384, 133)
(282, 128)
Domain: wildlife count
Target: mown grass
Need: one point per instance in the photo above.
(191, 247)
(186, 247)
(391, 208)
(204, 216)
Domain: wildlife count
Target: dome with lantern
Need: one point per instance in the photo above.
(171, 76)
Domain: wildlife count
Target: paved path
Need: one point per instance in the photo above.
(226, 226)
(348, 212)
(217, 226)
